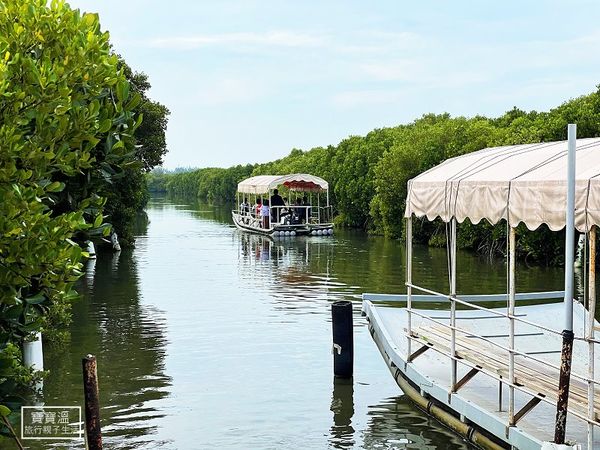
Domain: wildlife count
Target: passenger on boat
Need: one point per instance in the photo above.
(297, 213)
(276, 200)
(306, 212)
(257, 207)
(284, 216)
(264, 213)
(245, 207)
(285, 213)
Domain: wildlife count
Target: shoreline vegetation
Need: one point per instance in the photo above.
(78, 135)
(368, 174)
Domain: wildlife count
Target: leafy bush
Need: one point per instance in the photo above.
(66, 134)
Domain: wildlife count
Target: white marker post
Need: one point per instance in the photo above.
(567, 346)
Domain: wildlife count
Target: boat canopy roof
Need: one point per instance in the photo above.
(518, 183)
(262, 184)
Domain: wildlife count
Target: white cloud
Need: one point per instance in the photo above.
(266, 39)
(350, 99)
(400, 70)
(381, 43)
(357, 43)
(533, 90)
(230, 90)
(398, 39)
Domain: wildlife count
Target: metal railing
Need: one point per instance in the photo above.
(289, 214)
(297, 214)
(509, 314)
(323, 214)
(512, 351)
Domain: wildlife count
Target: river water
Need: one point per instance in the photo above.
(208, 338)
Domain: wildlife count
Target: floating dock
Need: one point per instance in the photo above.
(481, 394)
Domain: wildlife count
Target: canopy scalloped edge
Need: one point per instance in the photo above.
(520, 183)
(262, 184)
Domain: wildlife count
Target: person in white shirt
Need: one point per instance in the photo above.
(265, 213)
(245, 206)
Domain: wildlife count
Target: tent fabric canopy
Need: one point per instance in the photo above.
(519, 183)
(262, 184)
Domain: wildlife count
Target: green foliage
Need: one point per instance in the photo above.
(184, 183)
(128, 194)
(156, 180)
(127, 197)
(354, 186)
(66, 135)
(150, 135)
(211, 184)
(423, 144)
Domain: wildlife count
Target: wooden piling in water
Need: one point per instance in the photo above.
(343, 340)
(92, 403)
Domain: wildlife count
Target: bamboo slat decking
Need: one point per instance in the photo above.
(539, 379)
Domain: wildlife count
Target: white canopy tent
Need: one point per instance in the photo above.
(262, 184)
(520, 183)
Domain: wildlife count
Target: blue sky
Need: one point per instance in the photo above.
(247, 81)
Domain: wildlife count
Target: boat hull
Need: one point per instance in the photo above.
(252, 224)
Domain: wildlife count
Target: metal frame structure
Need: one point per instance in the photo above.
(317, 219)
(589, 336)
(468, 301)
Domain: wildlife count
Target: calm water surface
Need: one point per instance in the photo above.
(209, 338)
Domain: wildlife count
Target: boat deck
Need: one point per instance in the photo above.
(479, 398)
(537, 378)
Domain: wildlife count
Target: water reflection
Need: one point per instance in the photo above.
(295, 271)
(216, 213)
(254, 247)
(397, 424)
(342, 406)
(90, 274)
(128, 339)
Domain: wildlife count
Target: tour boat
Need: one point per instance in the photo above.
(300, 211)
(511, 376)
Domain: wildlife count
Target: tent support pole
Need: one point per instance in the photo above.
(409, 284)
(590, 330)
(567, 345)
(319, 207)
(453, 304)
(512, 251)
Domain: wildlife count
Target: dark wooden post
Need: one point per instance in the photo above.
(564, 382)
(92, 404)
(343, 339)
